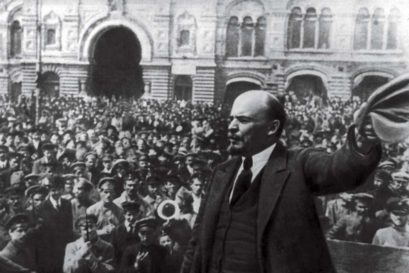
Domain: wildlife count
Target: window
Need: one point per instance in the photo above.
(310, 24)
(392, 40)
(325, 28)
(294, 28)
(260, 36)
(232, 37)
(184, 38)
(361, 29)
(310, 31)
(186, 33)
(378, 26)
(381, 34)
(183, 88)
(15, 39)
(50, 37)
(245, 39)
(246, 36)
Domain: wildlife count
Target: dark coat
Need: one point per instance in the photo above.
(24, 256)
(56, 232)
(289, 236)
(155, 262)
(121, 240)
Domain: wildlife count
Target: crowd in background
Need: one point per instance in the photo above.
(101, 185)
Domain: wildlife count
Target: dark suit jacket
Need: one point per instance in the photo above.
(289, 236)
(40, 166)
(155, 262)
(56, 232)
(121, 239)
(22, 255)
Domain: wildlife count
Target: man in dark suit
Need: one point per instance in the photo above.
(48, 163)
(126, 234)
(259, 214)
(57, 228)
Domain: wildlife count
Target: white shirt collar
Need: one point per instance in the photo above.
(55, 203)
(262, 157)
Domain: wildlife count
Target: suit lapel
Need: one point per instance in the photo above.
(272, 182)
(214, 200)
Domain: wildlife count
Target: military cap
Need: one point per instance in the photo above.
(18, 219)
(33, 176)
(15, 190)
(87, 154)
(119, 162)
(130, 206)
(387, 164)
(48, 146)
(84, 219)
(153, 180)
(35, 189)
(397, 206)
(25, 147)
(78, 164)
(363, 197)
(56, 182)
(107, 179)
(400, 176)
(147, 222)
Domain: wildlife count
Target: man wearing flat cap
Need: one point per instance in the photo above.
(126, 234)
(358, 226)
(146, 256)
(109, 215)
(57, 228)
(48, 162)
(19, 250)
(252, 196)
(89, 253)
(397, 234)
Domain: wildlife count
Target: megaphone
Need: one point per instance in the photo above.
(168, 209)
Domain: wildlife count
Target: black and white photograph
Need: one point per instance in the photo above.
(191, 136)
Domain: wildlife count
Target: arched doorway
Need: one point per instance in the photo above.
(364, 86)
(308, 87)
(115, 69)
(50, 85)
(15, 91)
(183, 88)
(234, 89)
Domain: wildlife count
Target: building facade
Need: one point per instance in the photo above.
(203, 50)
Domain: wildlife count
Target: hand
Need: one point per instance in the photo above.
(139, 258)
(365, 135)
(85, 249)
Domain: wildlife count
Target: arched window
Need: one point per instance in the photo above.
(247, 36)
(15, 38)
(378, 26)
(232, 37)
(361, 29)
(260, 36)
(325, 28)
(294, 28)
(310, 24)
(392, 39)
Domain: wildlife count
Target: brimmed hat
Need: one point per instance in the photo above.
(18, 219)
(82, 220)
(35, 189)
(148, 222)
(104, 180)
(400, 176)
(130, 206)
(397, 206)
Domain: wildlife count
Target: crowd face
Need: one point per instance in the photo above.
(131, 187)
(49, 155)
(131, 216)
(147, 236)
(361, 208)
(107, 192)
(398, 220)
(166, 242)
(18, 234)
(55, 193)
(196, 186)
(38, 199)
(79, 190)
(88, 231)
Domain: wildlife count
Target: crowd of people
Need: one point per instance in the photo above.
(115, 185)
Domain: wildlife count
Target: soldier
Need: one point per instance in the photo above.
(126, 234)
(89, 253)
(109, 215)
(396, 235)
(147, 256)
(19, 250)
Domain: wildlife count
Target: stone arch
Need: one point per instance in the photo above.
(301, 71)
(230, 9)
(253, 77)
(99, 26)
(52, 68)
(14, 8)
(16, 75)
(365, 81)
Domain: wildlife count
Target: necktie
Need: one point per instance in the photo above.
(243, 182)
